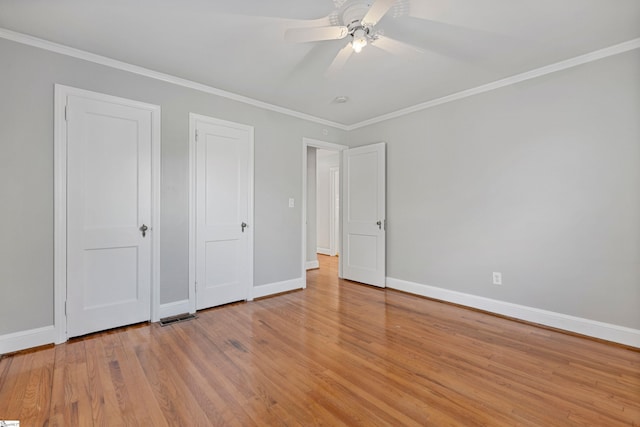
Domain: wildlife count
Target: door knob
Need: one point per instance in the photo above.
(243, 225)
(144, 229)
(379, 224)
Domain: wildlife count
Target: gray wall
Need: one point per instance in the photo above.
(27, 78)
(539, 181)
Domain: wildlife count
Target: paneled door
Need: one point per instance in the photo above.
(363, 230)
(109, 223)
(223, 191)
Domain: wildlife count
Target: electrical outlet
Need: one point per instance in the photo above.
(292, 203)
(497, 278)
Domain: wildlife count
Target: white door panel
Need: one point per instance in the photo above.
(108, 199)
(363, 254)
(223, 191)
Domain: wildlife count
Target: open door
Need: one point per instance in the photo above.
(363, 227)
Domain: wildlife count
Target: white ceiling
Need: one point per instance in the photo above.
(238, 45)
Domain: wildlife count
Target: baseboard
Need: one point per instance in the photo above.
(27, 339)
(174, 308)
(277, 287)
(324, 251)
(591, 328)
(312, 264)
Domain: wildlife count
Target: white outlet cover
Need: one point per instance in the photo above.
(292, 203)
(497, 278)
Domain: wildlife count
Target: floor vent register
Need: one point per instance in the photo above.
(176, 319)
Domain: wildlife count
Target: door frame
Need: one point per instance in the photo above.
(193, 121)
(61, 92)
(334, 189)
(309, 142)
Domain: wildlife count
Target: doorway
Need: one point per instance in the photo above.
(362, 204)
(321, 168)
(327, 201)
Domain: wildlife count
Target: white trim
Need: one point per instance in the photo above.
(313, 264)
(537, 72)
(119, 65)
(193, 122)
(331, 146)
(27, 339)
(192, 215)
(588, 327)
(277, 288)
(174, 308)
(251, 208)
(156, 191)
(309, 142)
(60, 214)
(324, 251)
(334, 191)
(61, 93)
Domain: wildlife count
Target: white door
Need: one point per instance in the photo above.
(223, 211)
(363, 228)
(108, 201)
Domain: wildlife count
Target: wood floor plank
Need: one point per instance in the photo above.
(143, 401)
(14, 383)
(174, 397)
(38, 390)
(273, 367)
(238, 387)
(301, 375)
(204, 392)
(337, 354)
(104, 405)
(70, 397)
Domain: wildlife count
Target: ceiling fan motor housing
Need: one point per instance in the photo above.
(353, 14)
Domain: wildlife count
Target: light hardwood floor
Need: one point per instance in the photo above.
(337, 353)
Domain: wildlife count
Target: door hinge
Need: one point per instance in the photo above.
(66, 111)
(196, 134)
(65, 308)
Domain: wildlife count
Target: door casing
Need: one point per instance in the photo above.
(309, 142)
(193, 120)
(334, 220)
(61, 92)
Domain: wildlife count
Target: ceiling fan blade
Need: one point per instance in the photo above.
(397, 47)
(378, 9)
(302, 35)
(340, 60)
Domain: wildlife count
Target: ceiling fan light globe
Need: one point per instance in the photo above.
(359, 40)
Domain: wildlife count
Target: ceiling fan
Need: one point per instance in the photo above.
(359, 19)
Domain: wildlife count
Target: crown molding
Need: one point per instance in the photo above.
(113, 63)
(124, 66)
(538, 72)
